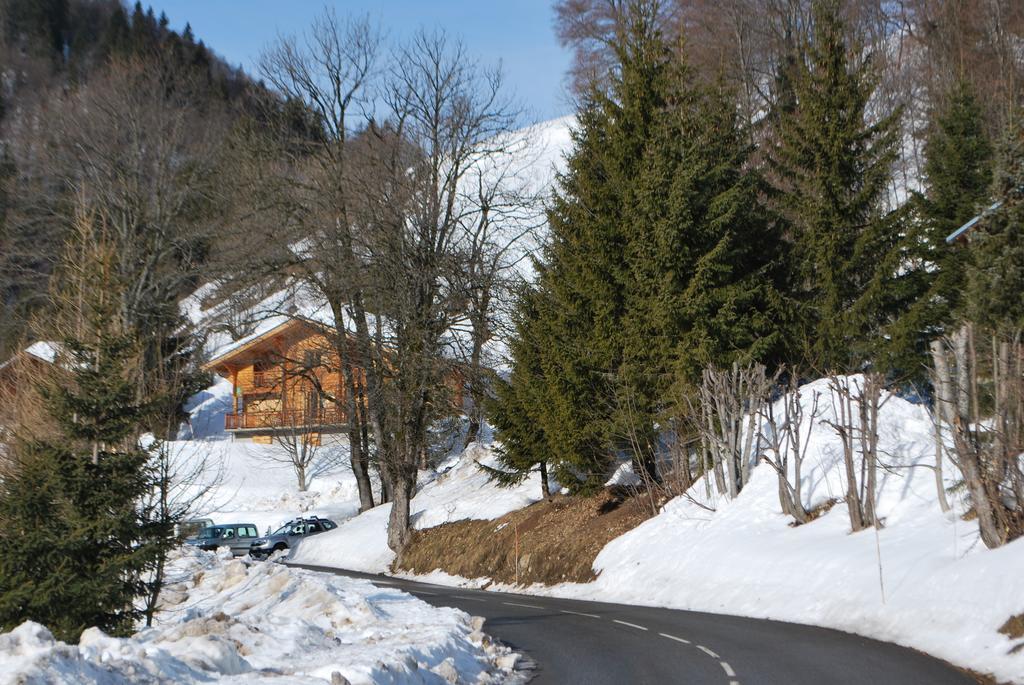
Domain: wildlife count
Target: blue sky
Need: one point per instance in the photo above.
(518, 33)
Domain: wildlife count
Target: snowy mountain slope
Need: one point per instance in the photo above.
(228, 621)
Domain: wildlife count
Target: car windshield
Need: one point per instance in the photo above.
(286, 529)
(208, 533)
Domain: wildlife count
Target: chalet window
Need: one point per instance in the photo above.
(311, 358)
(261, 374)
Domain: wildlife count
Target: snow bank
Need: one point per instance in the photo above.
(229, 621)
(460, 489)
(944, 592)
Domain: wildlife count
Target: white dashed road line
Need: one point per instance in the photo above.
(517, 604)
(725, 665)
(707, 651)
(673, 637)
(631, 625)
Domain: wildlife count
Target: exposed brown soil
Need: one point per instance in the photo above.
(1014, 627)
(558, 540)
(817, 512)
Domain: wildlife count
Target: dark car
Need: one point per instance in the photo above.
(288, 535)
(237, 536)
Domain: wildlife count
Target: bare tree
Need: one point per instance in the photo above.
(496, 239)
(313, 183)
(302, 447)
(139, 143)
(980, 400)
(856, 403)
(787, 441)
(731, 402)
(376, 198)
(180, 486)
(451, 115)
(942, 382)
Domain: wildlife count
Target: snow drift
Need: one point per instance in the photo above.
(230, 621)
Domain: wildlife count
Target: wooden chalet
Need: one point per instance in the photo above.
(286, 379)
(19, 371)
(289, 380)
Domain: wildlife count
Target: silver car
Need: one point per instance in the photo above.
(237, 536)
(288, 535)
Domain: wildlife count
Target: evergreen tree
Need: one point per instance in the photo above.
(996, 270)
(718, 255)
(831, 167)
(660, 261)
(584, 272)
(75, 547)
(516, 411)
(958, 174)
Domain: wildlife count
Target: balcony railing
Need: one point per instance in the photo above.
(295, 418)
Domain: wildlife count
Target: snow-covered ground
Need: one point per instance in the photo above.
(239, 622)
(458, 490)
(940, 591)
(248, 483)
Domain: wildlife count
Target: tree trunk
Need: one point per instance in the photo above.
(963, 372)
(300, 475)
(358, 455)
(844, 427)
(360, 468)
(972, 471)
(942, 384)
(399, 530)
(473, 430)
(545, 486)
(476, 390)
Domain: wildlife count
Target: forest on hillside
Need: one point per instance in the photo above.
(759, 193)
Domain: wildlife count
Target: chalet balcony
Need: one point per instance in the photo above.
(295, 419)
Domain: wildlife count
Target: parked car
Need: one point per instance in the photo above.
(288, 535)
(237, 536)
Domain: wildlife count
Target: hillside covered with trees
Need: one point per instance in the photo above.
(749, 238)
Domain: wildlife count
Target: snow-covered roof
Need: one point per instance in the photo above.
(249, 340)
(43, 350)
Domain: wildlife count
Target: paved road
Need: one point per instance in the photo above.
(596, 643)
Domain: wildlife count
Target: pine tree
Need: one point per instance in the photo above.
(958, 174)
(75, 547)
(996, 270)
(516, 410)
(585, 272)
(727, 257)
(705, 261)
(831, 167)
